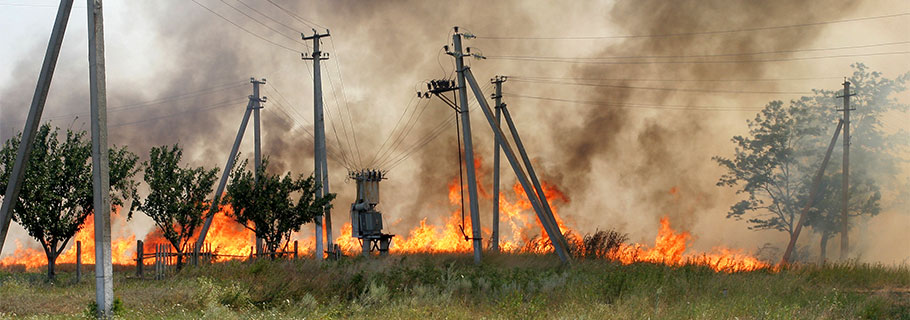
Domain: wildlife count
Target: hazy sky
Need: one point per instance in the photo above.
(617, 165)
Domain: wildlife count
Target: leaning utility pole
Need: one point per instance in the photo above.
(254, 103)
(468, 144)
(497, 98)
(257, 149)
(813, 192)
(846, 171)
(104, 281)
(33, 121)
(321, 166)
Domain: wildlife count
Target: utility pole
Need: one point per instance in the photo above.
(104, 281)
(812, 194)
(321, 167)
(846, 171)
(546, 219)
(216, 199)
(33, 121)
(257, 104)
(464, 109)
(497, 98)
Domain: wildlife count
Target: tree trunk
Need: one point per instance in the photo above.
(179, 258)
(823, 250)
(51, 264)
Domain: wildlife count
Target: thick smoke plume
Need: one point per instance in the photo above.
(621, 166)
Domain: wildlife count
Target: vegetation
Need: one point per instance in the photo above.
(264, 204)
(450, 286)
(773, 166)
(56, 195)
(176, 200)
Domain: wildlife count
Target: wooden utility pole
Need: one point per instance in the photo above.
(497, 98)
(844, 243)
(320, 164)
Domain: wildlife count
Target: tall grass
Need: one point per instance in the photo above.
(518, 286)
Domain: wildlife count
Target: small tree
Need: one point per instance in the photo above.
(265, 205)
(766, 168)
(176, 200)
(56, 195)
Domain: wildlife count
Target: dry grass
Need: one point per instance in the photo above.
(515, 286)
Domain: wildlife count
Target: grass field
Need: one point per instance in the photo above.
(451, 286)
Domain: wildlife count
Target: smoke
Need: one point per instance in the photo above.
(621, 167)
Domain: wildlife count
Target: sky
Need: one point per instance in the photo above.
(179, 72)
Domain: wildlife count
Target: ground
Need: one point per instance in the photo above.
(523, 286)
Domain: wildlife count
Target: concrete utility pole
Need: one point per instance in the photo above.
(104, 281)
(257, 104)
(320, 164)
(468, 144)
(846, 183)
(812, 194)
(34, 118)
(549, 226)
(254, 102)
(497, 98)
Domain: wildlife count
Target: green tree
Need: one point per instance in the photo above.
(875, 151)
(56, 195)
(265, 205)
(774, 164)
(176, 200)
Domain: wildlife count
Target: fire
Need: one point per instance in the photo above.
(669, 248)
(123, 249)
(227, 238)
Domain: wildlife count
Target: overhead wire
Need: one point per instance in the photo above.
(548, 60)
(729, 54)
(341, 116)
(634, 105)
(344, 95)
(245, 29)
(694, 33)
(262, 23)
(294, 115)
(659, 88)
(391, 133)
(295, 16)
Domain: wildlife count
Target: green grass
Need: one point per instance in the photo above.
(451, 286)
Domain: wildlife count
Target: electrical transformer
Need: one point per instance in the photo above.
(366, 221)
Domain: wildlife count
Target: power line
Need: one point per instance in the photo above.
(205, 108)
(330, 153)
(260, 22)
(295, 16)
(272, 19)
(341, 116)
(544, 59)
(297, 114)
(148, 102)
(246, 30)
(393, 132)
(736, 54)
(676, 80)
(665, 35)
(659, 88)
(637, 105)
(345, 96)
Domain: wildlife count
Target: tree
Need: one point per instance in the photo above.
(875, 152)
(766, 168)
(774, 164)
(56, 196)
(266, 207)
(176, 200)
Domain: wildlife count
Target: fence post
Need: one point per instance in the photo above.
(78, 261)
(139, 256)
(295, 249)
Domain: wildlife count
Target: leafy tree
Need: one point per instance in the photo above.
(774, 164)
(766, 168)
(56, 195)
(875, 151)
(176, 200)
(265, 205)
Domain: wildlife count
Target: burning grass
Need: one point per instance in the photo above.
(524, 286)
